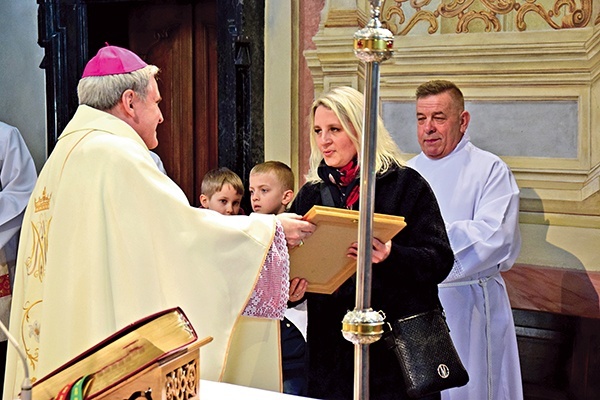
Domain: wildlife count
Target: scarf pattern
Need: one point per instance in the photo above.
(344, 181)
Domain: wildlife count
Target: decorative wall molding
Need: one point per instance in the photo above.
(465, 16)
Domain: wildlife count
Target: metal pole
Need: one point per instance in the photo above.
(365, 225)
(364, 326)
(367, 186)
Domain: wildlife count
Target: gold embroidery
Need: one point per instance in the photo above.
(43, 202)
(36, 262)
(30, 340)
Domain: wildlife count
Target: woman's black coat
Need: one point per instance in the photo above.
(403, 284)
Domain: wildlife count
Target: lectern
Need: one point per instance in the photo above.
(174, 378)
(157, 357)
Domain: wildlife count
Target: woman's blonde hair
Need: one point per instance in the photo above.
(348, 104)
(104, 92)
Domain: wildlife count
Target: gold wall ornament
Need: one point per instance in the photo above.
(395, 17)
(404, 15)
(420, 16)
(500, 6)
(454, 8)
(573, 17)
(489, 19)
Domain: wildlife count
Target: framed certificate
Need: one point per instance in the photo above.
(322, 260)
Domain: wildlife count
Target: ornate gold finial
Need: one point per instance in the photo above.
(43, 202)
(374, 43)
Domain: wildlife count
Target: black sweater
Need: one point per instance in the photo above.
(403, 284)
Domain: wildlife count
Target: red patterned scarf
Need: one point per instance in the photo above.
(345, 179)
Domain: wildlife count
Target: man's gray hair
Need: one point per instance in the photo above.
(104, 92)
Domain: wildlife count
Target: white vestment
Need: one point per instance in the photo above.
(479, 200)
(108, 239)
(17, 178)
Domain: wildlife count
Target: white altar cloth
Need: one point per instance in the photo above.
(210, 390)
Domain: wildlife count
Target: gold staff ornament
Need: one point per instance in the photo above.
(363, 326)
(374, 43)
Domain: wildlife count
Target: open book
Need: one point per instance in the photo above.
(322, 259)
(122, 355)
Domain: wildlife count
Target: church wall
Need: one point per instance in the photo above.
(22, 90)
(289, 92)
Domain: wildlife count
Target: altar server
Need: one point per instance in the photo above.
(17, 178)
(479, 200)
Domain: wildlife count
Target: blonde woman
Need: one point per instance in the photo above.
(406, 270)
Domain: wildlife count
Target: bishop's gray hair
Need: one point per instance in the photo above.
(104, 92)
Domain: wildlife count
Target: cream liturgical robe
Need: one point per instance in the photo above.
(108, 239)
(479, 200)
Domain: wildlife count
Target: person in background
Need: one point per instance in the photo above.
(222, 191)
(17, 179)
(406, 270)
(271, 190)
(479, 199)
(108, 239)
(158, 162)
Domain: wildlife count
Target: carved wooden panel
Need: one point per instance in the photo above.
(174, 379)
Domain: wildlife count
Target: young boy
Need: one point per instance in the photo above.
(271, 187)
(271, 191)
(222, 191)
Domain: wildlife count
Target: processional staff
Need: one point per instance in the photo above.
(363, 326)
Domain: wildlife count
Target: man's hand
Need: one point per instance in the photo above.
(295, 228)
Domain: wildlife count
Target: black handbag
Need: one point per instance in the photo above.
(427, 356)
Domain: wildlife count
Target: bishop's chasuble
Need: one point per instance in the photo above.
(108, 239)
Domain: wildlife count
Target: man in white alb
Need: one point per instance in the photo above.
(479, 200)
(17, 178)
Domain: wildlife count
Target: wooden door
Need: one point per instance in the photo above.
(181, 40)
